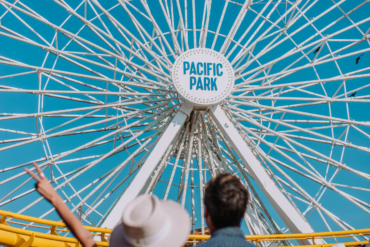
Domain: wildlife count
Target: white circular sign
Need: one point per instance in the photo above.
(203, 76)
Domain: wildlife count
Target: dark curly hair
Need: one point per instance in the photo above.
(226, 200)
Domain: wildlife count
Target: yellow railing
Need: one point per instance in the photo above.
(15, 236)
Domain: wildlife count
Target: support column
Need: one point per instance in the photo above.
(292, 219)
(146, 170)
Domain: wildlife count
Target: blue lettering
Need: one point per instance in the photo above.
(214, 69)
(205, 69)
(206, 83)
(209, 67)
(198, 69)
(192, 69)
(186, 67)
(193, 81)
(200, 84)
(213, 84)
(219, 66)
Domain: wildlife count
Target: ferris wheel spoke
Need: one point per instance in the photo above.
(259, 15)
(116, 171)
(331, 100)
(51, 92)
(109, 193)
(349, 76)
(227, 128)
(345, 121)
(158, 171)
(103, 23)
(57, 113)
(141, 30)
(77, 38)
(285, 72)
(53, 72)
(238, 20)
(320, 61)
(89, 125)
(90, 144)
(218, 26)
(132, 171)
(320, 181)
(175, 164)
(243, 172)
(187, 161)
(334, 141)
(80, 191)
(327, 160)
(142, 45)
(297, 49)
(342, 224)
(142, 176)
(245, 50)
(183, 28)
(114, 22)
(88, 167)
(303, 192)
(14, 198)
(284, 137)
(281, 31)
(205, 22)
(347, 16)
(157, 28)
(26, 24)
(106, 196)
(170, 26)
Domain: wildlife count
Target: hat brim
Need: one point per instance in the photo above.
(176, 237)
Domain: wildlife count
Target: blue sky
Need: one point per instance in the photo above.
(23, 103)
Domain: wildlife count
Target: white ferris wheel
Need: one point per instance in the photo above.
(117, 98)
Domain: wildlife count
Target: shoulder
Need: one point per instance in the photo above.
(214, 242)
(227, 241)
(249, 244)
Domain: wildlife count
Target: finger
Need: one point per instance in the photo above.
(32, 175)
(38, 170)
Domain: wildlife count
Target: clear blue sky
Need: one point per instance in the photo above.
(28, 103)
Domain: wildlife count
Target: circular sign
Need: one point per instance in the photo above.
(203, 76)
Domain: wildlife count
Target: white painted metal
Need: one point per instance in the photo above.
(287, 212)
(146, 170)
(96, 92)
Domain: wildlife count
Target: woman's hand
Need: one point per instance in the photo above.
(43, 186)
(47, 191)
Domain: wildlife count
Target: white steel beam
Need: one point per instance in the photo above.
(292, 219)
(146, 170)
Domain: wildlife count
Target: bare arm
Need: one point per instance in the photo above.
(74, 225)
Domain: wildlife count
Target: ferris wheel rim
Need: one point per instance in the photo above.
(233, 105)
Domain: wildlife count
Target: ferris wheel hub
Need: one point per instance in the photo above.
(203, 76)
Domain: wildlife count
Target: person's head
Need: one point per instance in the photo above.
(226, 199)
(148, 221)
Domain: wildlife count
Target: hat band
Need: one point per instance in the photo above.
(151, 240)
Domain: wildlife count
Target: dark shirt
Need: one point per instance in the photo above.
(227, 237)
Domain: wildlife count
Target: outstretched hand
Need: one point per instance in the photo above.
(43, 186)
(48, 192)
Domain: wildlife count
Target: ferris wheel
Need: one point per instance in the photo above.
(123, 97)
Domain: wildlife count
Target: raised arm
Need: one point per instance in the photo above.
(74, 225)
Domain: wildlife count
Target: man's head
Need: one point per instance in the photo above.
(226, 200)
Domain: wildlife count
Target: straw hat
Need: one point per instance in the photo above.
(149, 222)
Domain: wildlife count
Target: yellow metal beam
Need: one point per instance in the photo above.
(46, 222)
(13, 236)
(294, 236)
